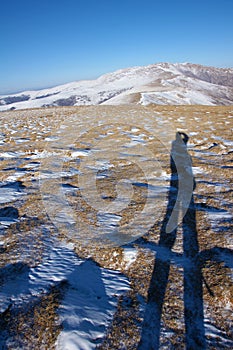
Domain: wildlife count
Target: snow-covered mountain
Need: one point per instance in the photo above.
(162, 83)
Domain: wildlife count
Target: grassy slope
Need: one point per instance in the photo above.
(209, 126)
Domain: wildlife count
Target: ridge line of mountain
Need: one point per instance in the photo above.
(161, 83)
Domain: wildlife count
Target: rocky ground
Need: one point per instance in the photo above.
(85, 195)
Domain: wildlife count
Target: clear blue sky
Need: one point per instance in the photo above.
(48, 42)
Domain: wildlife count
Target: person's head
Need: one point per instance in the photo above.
(182, 136)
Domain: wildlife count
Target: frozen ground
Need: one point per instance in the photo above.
(83, 194)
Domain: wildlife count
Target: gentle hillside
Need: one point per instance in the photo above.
(86, 195)
(162, 84)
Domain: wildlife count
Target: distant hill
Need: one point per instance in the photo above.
(162, 83)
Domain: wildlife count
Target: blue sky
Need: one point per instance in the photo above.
(48, 42)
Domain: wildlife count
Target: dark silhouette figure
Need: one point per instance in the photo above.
(180, 200)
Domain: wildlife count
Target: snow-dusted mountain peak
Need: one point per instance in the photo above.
(161, 83)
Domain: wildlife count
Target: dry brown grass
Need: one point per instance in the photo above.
(38, 322)
(35, 325)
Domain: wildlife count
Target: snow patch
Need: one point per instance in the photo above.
(90, 300)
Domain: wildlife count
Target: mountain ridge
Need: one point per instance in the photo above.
(159, 83)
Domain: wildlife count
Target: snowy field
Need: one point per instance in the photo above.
(83, 199)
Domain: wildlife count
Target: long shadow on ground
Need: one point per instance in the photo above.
(178, 198)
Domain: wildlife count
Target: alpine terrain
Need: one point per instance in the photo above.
(116, 212)
(162, 84)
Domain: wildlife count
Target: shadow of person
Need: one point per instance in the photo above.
(180, 202)
(87, 299)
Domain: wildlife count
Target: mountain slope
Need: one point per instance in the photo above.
(161, 83)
